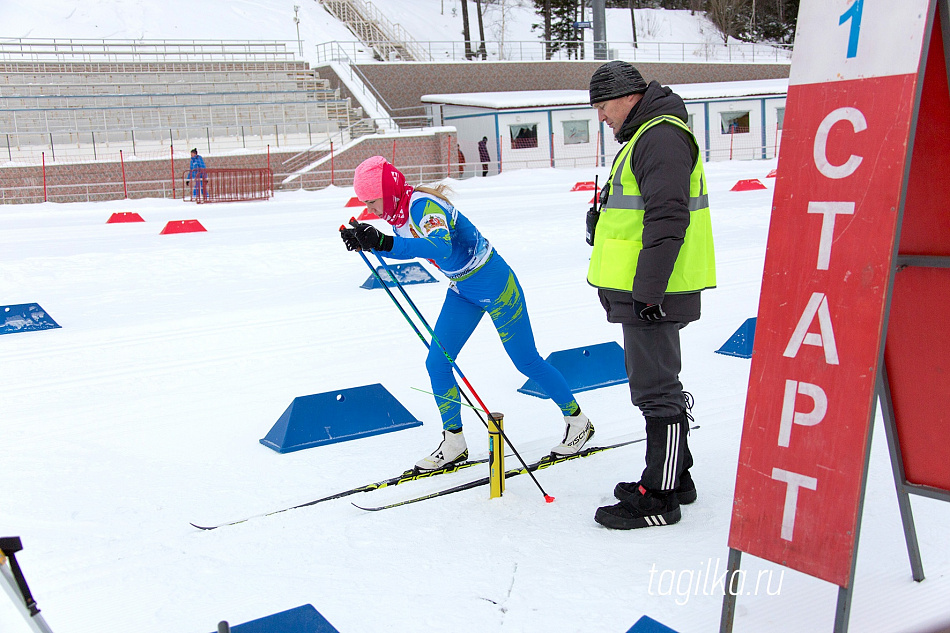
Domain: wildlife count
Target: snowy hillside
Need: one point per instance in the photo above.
(425, 20)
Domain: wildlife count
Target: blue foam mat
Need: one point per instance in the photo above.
(585, 368)
(740, 343)
(647, 624)
(303, 619)
(406, 274)
(25, 317)
(338, 416)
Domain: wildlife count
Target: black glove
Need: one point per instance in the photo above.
(648, 311)
(349, 238)
(370, 238)
(592, 216)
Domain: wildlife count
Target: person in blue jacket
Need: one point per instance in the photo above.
(426, 224)
(197, 175)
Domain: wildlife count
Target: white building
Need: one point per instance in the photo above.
(537, 128)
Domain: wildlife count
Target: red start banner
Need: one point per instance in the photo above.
(819, 332)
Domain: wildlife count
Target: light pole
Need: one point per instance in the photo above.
(297, 22)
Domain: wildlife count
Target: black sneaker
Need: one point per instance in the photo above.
(642, 509)
(685, 491)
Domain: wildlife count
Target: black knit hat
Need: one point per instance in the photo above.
(615, 79)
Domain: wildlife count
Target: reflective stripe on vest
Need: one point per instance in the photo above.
(618, 239)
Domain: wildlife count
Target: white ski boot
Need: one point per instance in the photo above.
(452, 449)
(577, 431)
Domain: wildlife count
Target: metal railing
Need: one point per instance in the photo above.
(536, 50)
(20, 49)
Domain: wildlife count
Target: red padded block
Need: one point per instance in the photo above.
(368, 215)
(748, 185)
(353, 202)
(583, 186)
(183, 226)
(772, 174)
(128, 216)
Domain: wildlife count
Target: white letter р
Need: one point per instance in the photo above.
(790, 416)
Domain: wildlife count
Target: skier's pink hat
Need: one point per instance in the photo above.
(368, 178)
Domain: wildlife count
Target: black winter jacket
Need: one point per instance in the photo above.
(662, 163)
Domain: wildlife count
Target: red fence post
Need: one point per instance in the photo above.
(125, 187)
(552, 149)
(268, 155)
(172, 149)
(499, 154)
(597, 151)
(44, 177)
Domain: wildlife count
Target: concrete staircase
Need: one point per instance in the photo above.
(390, 41)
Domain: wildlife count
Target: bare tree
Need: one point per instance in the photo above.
(466, 31)
(547, 29)
(633, 21)
(481, 31)
(728, 16)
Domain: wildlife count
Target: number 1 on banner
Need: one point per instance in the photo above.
(854, 14)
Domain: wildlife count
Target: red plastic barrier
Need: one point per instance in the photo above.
(128, 216)
(772, 174)
(183, 226)
(368, 215)
(354, 202)
(583, 186)
(748, 185)
(596, 195)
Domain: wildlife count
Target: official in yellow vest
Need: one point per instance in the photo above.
(652, 257)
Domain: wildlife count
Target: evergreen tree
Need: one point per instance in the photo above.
(563, 14)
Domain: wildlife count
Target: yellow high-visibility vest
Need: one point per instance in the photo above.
(618, 238)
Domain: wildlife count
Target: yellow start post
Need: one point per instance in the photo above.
(496, 455)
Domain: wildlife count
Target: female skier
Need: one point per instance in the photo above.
(427, 225)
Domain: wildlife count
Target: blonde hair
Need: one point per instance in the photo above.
(439, 191)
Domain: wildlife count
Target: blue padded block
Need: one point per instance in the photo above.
(338, 416)
(304, 619)
(741, 342)
(25, 317)
(585, 368)
(648, 625)
(406, 274)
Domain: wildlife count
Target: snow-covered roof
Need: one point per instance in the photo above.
(512, 99)
(540, 98)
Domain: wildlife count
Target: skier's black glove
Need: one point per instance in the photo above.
(371, 238)
(648, 311)
(349, 238)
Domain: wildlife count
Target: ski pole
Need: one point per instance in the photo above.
(548, 498)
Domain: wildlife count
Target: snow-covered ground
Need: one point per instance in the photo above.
(177, 353)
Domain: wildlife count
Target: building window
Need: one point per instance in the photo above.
(576, 132)
(735, 122)
(524, 135)
(780, 117)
